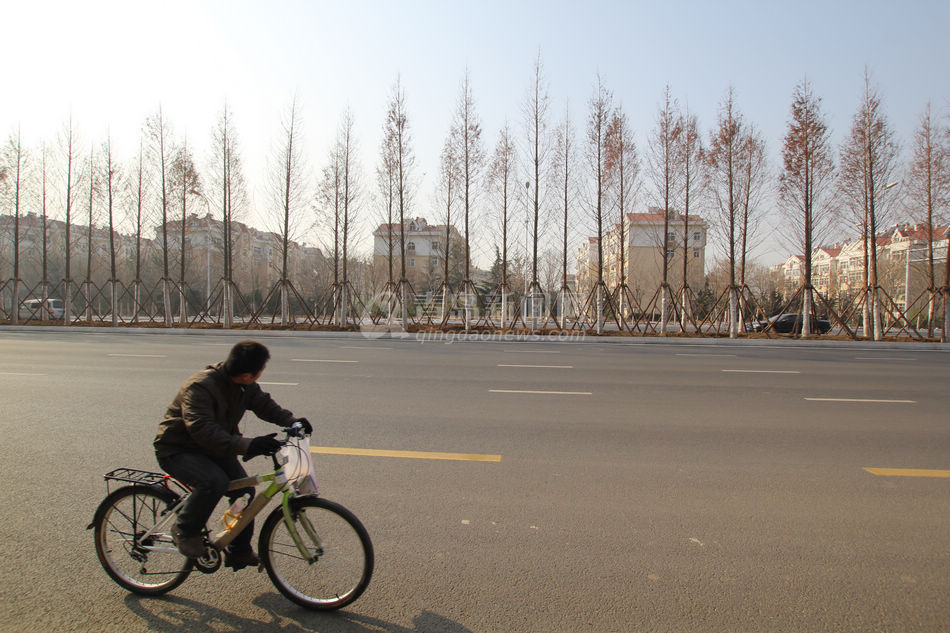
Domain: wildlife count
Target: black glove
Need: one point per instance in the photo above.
(305, 423)
(263, 445)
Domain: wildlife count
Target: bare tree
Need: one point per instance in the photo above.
(598, 121)
(386, 179)
(15, 159)
(665, 159)
(386, 183)
(723, 162)
(502, 184)
(753, 182)
(44, 276)
(186, 183)
(330, 200)
(623, 168)
(289, 191)
(398, 143)
(227, 192)
(69, 149)
(159, 133)
(340, 193)
(805, 182)
(93, 190)
(111, 180)
(868, 165)
(692, 154)
(466, 138)
(928, 193)
(564, 170)
(537, 145)
(139, 195)
(450, 177)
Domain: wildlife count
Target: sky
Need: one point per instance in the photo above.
(110, 65)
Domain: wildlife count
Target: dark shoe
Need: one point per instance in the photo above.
(240, 560)
(190, 546)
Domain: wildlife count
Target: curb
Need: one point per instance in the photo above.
(452, 337)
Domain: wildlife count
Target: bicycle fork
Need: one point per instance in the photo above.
(295, 535)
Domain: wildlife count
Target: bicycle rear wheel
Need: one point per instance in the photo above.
(337, 540)
(149, 565)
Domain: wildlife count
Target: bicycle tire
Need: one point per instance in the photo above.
(344, 553)
(121, 517)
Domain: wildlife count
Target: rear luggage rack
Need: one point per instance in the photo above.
(142, 478)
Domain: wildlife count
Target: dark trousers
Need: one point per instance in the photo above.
(209, 478)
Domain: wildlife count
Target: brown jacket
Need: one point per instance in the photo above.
(206, 411)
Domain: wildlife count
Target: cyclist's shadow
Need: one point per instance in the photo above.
(168, 614)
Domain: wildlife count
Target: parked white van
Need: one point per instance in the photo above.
(34, 309)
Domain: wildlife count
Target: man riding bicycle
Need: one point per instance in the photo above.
(198, 442)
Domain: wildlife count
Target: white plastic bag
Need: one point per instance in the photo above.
(298, 466)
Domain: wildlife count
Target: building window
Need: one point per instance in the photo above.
(435, 246)
(410, 246)
(697, 236)
(695, 253)
(412, 262)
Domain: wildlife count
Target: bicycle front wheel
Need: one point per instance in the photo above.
(137, 556)
(338, 545)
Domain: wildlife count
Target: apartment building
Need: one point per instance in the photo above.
(31, 229)
(256, 256)
(426, 250)
(838, 272)
(644, 248)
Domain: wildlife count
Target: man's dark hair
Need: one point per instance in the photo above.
(247, 357)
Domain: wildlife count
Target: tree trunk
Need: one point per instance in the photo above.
(115, 302)
(806, 312)
(504, 307)
(944, 336)
(664, 308)
(167, 300)
(600, 309)
(404, 295)
(733, 312)
(284, 303)
(228, 305)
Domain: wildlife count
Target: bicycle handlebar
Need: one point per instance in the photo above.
(294, 430)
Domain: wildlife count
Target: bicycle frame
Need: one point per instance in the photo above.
(278, 483)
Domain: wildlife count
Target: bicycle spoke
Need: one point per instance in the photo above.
(330, 581)
(145, 564)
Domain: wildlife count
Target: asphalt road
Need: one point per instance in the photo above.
(662, 487)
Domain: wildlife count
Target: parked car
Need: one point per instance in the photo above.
(34, 309)
(790, 323)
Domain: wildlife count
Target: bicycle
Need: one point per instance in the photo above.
(316, 552)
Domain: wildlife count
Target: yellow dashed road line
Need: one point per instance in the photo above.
(373, 452)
